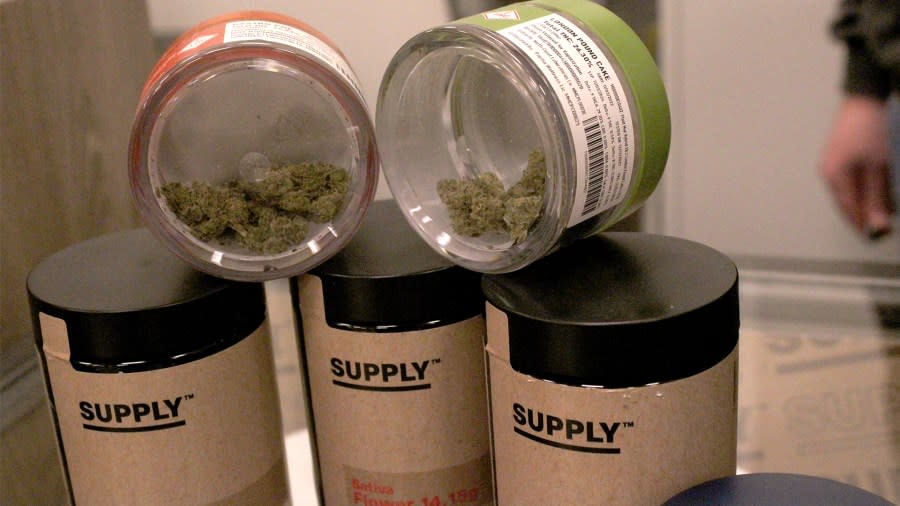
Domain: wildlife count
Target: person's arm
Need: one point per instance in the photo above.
(855, 161)
(856, 167)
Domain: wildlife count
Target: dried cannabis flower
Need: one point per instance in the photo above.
(481, 205)
(268, 215)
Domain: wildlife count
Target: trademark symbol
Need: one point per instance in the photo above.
(435, 361)
(627, 424)
(187, 396)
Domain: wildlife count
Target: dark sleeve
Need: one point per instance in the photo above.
(871, 32)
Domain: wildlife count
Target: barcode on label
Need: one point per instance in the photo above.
(596, 164)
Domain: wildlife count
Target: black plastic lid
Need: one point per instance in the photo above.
(620, 310)
(388, 279)
(775, 489)
(129, 304)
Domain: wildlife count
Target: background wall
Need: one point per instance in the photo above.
(754, 86)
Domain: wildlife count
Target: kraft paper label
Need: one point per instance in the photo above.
(203, 432)
(558, 444)
(399, 417)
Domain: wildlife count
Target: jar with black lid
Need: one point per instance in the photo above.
(392, 339)
(612, 372)
(160, 378)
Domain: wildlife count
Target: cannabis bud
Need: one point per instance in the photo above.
(267, 215)
(481, 205)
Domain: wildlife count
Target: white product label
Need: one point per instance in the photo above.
(595, 105)
(284, 34)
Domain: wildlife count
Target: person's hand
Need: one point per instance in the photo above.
(855, 164)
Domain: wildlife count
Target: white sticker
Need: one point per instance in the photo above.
(284, 34)
(595, 106)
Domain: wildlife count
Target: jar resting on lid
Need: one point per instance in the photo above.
(252, 153)
(158, 377)
(508, 134)
(612, 371)
(392, 338)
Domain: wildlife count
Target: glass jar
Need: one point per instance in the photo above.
(252, 154)
(560, 95)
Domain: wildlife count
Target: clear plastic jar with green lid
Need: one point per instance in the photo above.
(508, 134)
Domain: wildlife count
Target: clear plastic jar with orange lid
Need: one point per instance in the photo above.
(252, 153)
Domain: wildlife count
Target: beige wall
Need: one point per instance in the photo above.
(754, 86)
